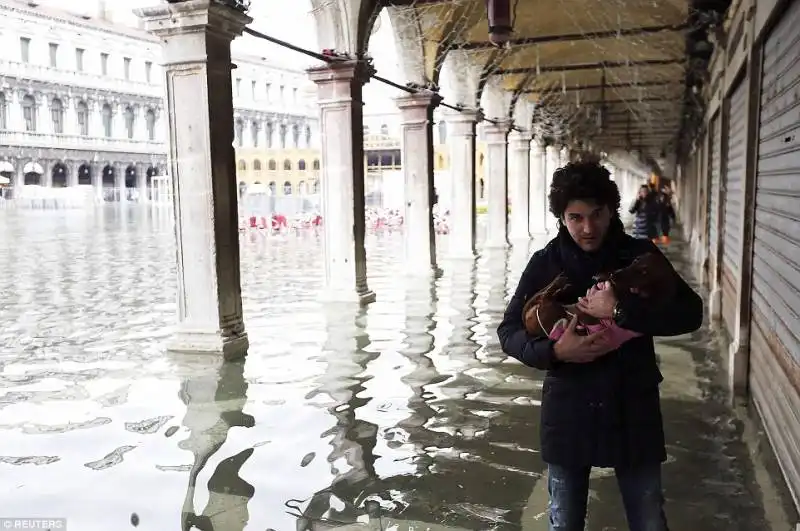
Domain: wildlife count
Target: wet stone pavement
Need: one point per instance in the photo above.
(402, 416)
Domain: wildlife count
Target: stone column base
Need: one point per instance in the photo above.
(198, 342)
(497, 245)
(329, 295)
(715, 303)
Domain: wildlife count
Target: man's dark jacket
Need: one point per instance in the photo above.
(606, 413)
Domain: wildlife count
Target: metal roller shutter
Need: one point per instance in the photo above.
(774, 346)
(713, 196)
(732, 208)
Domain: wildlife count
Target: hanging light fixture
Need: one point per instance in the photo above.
(500, 24)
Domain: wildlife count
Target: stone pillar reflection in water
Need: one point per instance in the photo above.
(352, 440)
(538, 191)
(461, 139)
(519, 180)
(339, 89)
(215, 393)
(196, 37)
(416, 112)
(497, 179)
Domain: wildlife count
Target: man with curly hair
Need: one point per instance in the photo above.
(600, 406)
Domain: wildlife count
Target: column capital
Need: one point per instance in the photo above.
(192, 16)
(465, 115)
(497, 131)
(426, 99)
(340, 71)
(520, 138)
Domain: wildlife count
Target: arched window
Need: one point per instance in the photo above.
(272, 187)
(270, 131)
(301, 165)
(83, 118)
(272, 165)
(302, 188)
(481, 189)
(308, 136)
(130, 119)
(480, 160)
(287, 188)
(107, 120)
(316, 186)
(150, 119)
(287, 165)
(29, 112)
(283, 136)
(257, 165)
(242, 165)
(442, 132)
(384, 129)
(315, 165)
(296, 135)
(242, 188)
(366, 129)
(240, 132)
(57, 115)
(254, 130)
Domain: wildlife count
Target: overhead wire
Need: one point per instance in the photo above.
(330, 58)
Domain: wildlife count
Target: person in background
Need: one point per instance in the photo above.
(666, 213)
(600, 405)
(644, 209)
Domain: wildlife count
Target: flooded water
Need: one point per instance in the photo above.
(404, 415)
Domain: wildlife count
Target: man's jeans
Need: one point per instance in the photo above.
(640, 489)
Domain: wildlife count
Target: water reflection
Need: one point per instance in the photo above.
(403, 414)
(215, 394)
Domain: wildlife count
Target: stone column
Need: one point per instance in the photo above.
(119, 181)
(461, 140)
(200, 110)
(72, 173)
(97, 178)
(497, 183)
(47, 175)
(539, 207)
(551, 165)
(519, 174)
(416, 111)
(141, 181)
(339, 89)
(19, 176)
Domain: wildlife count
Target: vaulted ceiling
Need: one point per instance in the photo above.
(617, 73)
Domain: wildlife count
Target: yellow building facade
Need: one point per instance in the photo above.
(285, 171)
(297, 171)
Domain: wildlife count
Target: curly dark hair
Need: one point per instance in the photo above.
(586, 181)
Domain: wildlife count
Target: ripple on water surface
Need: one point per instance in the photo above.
(338, 415)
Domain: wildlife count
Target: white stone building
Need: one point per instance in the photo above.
(81, 101)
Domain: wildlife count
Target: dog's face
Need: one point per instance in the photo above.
(649, 275)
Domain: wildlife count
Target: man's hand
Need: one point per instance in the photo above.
(574, 348)
(599, 303)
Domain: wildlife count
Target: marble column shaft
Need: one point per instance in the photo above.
(416, 112)
(461, 140)
(519, 166)
(497, 183)
(201, 156)
(339, 89)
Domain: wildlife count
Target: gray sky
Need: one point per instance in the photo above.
(289, 20)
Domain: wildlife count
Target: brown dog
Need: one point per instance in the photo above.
(650, 275)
